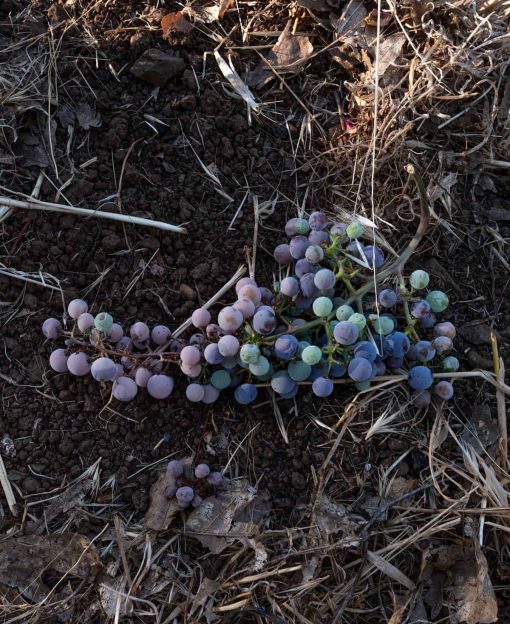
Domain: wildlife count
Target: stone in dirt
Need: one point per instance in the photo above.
(157, 67)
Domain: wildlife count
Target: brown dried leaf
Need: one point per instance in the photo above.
(175, 22)
(350, 26)
(161, 509)
(389, 50)
(334, 518)
(207, 588)
(87, 116)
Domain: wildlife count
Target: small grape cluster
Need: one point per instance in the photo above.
(188, 491)
(304, 331)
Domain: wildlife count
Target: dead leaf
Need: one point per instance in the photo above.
(206, 15)
(350, 26)
(375, 506)
(66, 115)
(214, 523)
(334, 518)
(389, 569)
(389, 50)
(225, 5)
(161, 509)
(175, 22)
(87, 116)
(207, 588)
(36, 141)
(288, 56)
(400, 486)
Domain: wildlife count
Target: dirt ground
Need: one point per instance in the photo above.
(153, 151)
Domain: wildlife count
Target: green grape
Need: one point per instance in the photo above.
(344, 312)
(103, 322)
(302, 227)
(220, 379)
(362, 385)
(437, 300)
(451, 364)
(249, 353)
(261, 367)
(355, 230)
(359, 320)
(419, 279)
(299, 370)
(311, 355)
(384, 325)
(302, 344)
(322, 306)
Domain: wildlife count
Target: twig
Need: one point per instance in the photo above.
(7, 488)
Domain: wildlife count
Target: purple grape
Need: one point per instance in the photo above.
(314, 254)
(318, 237)
(442, 344)
(201, 317)
(228, 346)
(77, 307)
(325, 279)
(119, 371)
(338, 229)
(142, 376)
(267, 296)
(307, 285)
(285, 347)
(78, 364)
(298, 246)
(124, 389)
(264, 321)
(160, 334)
(213, 331)
(421, 398)
(103, 369)
(154, 365)
(51, 328)
(282, 383)
(215, 479)
(245, 393)
(282, 254)
(346, 333)
(246, 307)
(210, 394)
(289, 286)
(58, 361)
(243, 282)
(250, 292)
(395, 361)
(212, 354)
(290, 227)
(421, 309)
(366, 350)
(127, 362)
(197, 500)
(444, 390)
(197, 340)
(175, 468)
(374, 255)
(424, 351)
(380, 367)
(427, 322)
(360, 369)
(322, 387)
(160, 386)
(302, 267)
(317, 220)
(398, 343)
(420, 378)
(194, 392)
(85, 321)
(201, 471)
(114, 334)
(190, 355)
(124, 344)
(184, 495)
(230, 319)
(139, 332)
(387, 298)
(337, 370)
(445, 329)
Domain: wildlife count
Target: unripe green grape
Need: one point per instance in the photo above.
(299, 370)
(261, 367)
(437, 300)
(322, 306)
(355, 230)
(419, 279)
(103, 322)
(359, 320)
(311, 355)
(344, 312)
(220, 379)
(384, 325)
(451, 364)
(249, 353)
(302, 227)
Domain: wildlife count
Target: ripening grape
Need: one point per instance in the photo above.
(366, 350)
(355, 230)
(176, 345)
(419, 279)
(190, 355)
(191, 370)
(359, 320)
(337, 370)
(444, 390)
(319, 237)
(243, 281)
(160, 334)
(250, 292)
(346, 333)
(160, 386)
(298, 246)
(442, 344)
(261, 367)
(78, 364)
(325, 279)
(420, 378)
(451, 364)
(119, 372)
(228, 346)
(194, 392)
(103, 322)
(245, 393)
(360, 369)
(139, 332)
(317, 220)
(338, 229)
(282, 254)
(374, 256)
(184, 495)
(230, 319)
(289, 286)
(421, 309)
(175, 468)
(311, 355)
(322, 387)
(220, 379)
(302, 226)
(114, 334)
(299, 370)
(212, 354)
(197, 339)
(285, 347)
(58, 361)
(387, 298)
(210, 394)
(201, 471)
(314, 254)
(322, 306)
(427, 322)
(438, 301)
(246, 307)
(77, 307)
(281, 383)
(307, 285)
(445, 329)
(290, 227)
(201, 318)
(421, 398)
(85, 321)
(344, 312)
(124, 389)
(424, 351)
(103, 369)
(399, 344)
(384, 325)
(215, 479)
(264, 321)
(124, 344)
(302, 267)
(142, 376)
(267, 296)
(51, 328)
(249, 353)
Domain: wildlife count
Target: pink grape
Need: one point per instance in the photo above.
(175, 469)
(160, 386)
(139, 332)
(212, 354)
(201, 471)
(184, 495)
(243, 282)
(160, 334)
(210, 394)
(77, 307)
(114, 334)
(246, 307)
(191, 371)
(195, 392)
(142, 376)
(78, 364)
(250, 292)
(124, 389)
(190, 355)
(201, 318)
(85, 321)
(230, 319)
(421, 398)
(58, 361)
(282, 254)
(228, 346)
(51, 328)
(445, 329)
(103, 369)
(444, 390)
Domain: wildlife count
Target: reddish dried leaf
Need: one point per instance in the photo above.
(175, 22)
(224, 7)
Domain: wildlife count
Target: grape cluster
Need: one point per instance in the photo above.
(312, 328)
(191, 490)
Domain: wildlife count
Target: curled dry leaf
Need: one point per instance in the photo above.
(161, 509)
(175, 23)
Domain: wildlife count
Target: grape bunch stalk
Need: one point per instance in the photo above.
(337, 312)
